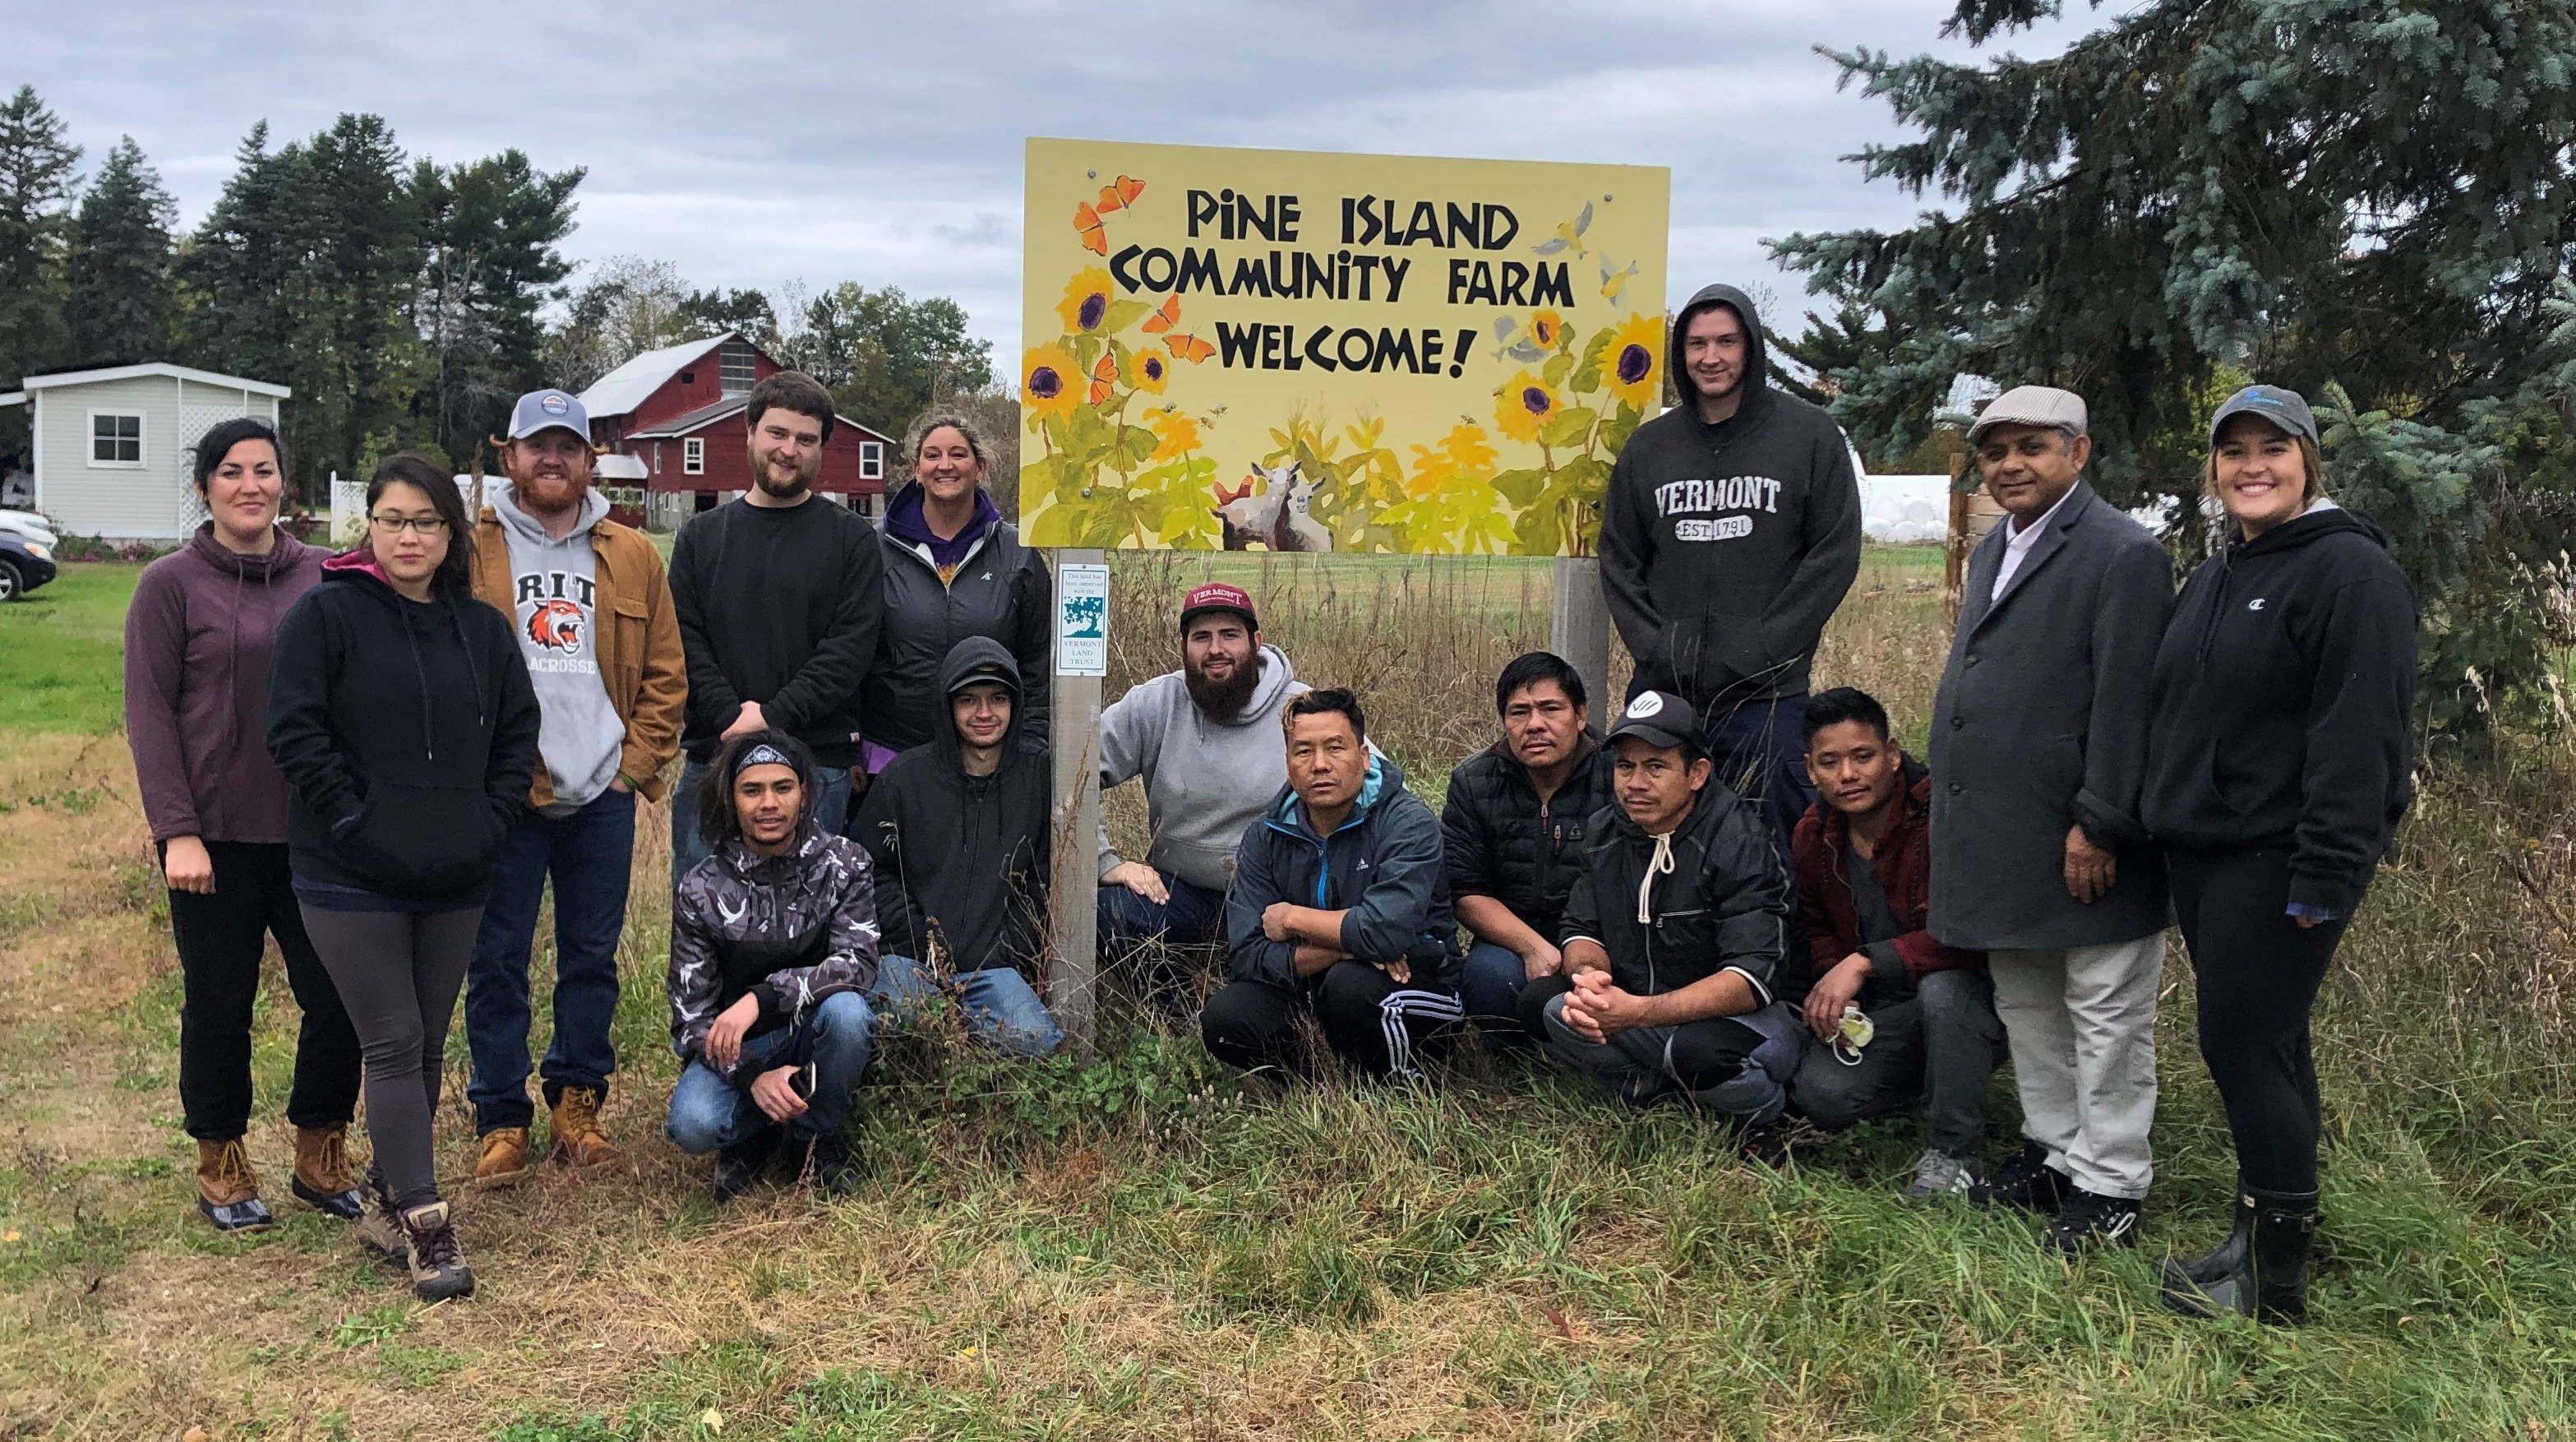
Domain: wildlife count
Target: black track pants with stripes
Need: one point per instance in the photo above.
(1369, 1020)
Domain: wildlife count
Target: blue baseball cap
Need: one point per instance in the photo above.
(2286, 410)
(545, 410)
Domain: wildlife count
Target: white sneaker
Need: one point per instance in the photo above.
(1938, 1174)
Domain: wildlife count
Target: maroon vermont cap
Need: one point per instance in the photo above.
(1218, 596)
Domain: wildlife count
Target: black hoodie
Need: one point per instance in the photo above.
(967, 852)
(2282, 702)
(1725, 548)
(406, 731)
(1722, 904)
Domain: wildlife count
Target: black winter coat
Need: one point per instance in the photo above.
(406, 732)
(1381, 867)
(1001, 590)
(968, 852)
(1723, 907)
(2283, 694)
(1502, 841)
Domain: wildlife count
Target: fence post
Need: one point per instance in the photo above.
(1579, 626)
(1081, 659)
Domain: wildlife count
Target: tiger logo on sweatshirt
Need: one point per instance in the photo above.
(558, 626)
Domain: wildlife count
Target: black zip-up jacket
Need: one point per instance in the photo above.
(1724, 906)
(2282, 705)
(406, 732)
(1726, 548)
(1502, 841)
(790, 930)
(1001, 590)
(967, 852)
(782, 607)
(1382, 866)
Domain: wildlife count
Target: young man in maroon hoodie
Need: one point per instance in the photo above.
(1896, 1018)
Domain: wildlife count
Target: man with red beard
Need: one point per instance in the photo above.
(1206, 740)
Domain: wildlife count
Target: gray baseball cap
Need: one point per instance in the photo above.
(547, 410)
(1658, 718)
(2286, 410)
(2033, 406)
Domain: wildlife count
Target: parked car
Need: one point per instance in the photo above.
(30, 525)
(24, 565)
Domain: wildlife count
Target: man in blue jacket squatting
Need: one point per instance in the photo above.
(1340, 906)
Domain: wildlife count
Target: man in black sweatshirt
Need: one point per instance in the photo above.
(779, 597)
(1730, 533)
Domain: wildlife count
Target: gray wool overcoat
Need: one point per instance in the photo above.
(2041, 724)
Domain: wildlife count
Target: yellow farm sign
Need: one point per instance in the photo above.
(1292, 351)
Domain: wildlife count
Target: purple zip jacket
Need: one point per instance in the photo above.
(197, 642)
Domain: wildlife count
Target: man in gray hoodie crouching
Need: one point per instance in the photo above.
(1206, 740)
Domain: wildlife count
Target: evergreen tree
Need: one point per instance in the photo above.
(237, 269)
(360, 227)
(120, 287)
(491, 229)
(2371, 195)
(36, 181)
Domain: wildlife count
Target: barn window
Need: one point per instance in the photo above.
(115, 439)
(693, 456)
(735, 360)
(872, 460)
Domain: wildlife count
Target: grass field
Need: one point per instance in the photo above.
(1139, 1247)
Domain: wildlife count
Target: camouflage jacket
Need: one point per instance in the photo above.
(790, 930)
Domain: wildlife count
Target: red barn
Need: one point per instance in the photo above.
(678, 411)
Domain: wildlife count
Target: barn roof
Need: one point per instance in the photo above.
(699, 419)
(620, 391)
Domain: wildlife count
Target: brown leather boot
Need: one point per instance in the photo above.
(322, 1174)
(228, 1189)
(504, 1159)
(578, 1139)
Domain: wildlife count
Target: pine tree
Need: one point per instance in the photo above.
(120, 287)
(36, 182)
(2365, 200)
(237, 269)
(491, 228)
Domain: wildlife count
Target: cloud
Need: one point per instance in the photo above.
(882, 143)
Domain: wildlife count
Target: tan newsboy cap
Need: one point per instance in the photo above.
(2032, 406)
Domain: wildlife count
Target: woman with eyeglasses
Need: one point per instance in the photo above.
(400, 712)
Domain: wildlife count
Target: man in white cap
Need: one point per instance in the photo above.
(2039, 740)
(592, 610)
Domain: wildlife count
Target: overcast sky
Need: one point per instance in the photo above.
(882, 143)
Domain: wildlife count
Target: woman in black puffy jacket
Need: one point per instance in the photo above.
(399, 711)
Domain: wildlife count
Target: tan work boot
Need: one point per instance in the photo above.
(228, 1188)
(379, 1226)
(322, 1175)
(504, 1159)
(438, 1269)
(578, 1139)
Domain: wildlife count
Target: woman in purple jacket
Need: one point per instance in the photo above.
(197, 643)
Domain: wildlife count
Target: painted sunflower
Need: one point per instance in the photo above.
(1524, 406)
(1086, 301)
(1547, 328)
(1175, 434)
(1050, 383)
(1149, 371)
(1632, 362)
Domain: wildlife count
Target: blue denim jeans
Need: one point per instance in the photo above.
(1761, 752)
(589, 855)
(1002, 1010)
(836, 1039)
(1492, 985)
(1195, 916)
(831, 809)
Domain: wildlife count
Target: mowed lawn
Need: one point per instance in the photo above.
(1140, 1246)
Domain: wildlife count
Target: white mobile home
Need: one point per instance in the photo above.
(112, 447)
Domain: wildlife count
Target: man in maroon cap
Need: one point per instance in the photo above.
(1206, 740)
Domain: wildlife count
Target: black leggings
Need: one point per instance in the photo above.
(221, 937)
(2258, 973)
(399, 973)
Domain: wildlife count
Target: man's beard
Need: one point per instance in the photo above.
(1224, 700)
(763, 475)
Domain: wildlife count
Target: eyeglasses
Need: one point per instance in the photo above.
(425, 525)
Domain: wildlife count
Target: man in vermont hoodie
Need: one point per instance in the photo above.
(1340, 906)
(1730, 533)
(957, 829)
(1205, 739)
(590, 606)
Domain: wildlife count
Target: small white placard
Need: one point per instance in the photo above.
(1082, 620)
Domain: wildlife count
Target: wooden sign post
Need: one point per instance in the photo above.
(1081, 660)
(1579, 627)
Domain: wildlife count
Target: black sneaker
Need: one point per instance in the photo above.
(738, 1167)
(1764, 1142)
(2027, 1182)
(831, 1168)
(2089, 1219)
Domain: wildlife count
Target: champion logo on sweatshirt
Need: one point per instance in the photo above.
(2255, 605)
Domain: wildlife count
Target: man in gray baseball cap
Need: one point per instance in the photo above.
(2038, 856)
(549, 410)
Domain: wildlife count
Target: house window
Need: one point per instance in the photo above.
(734, 358)
(115, 439)
(872, 460)
(693, 456)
